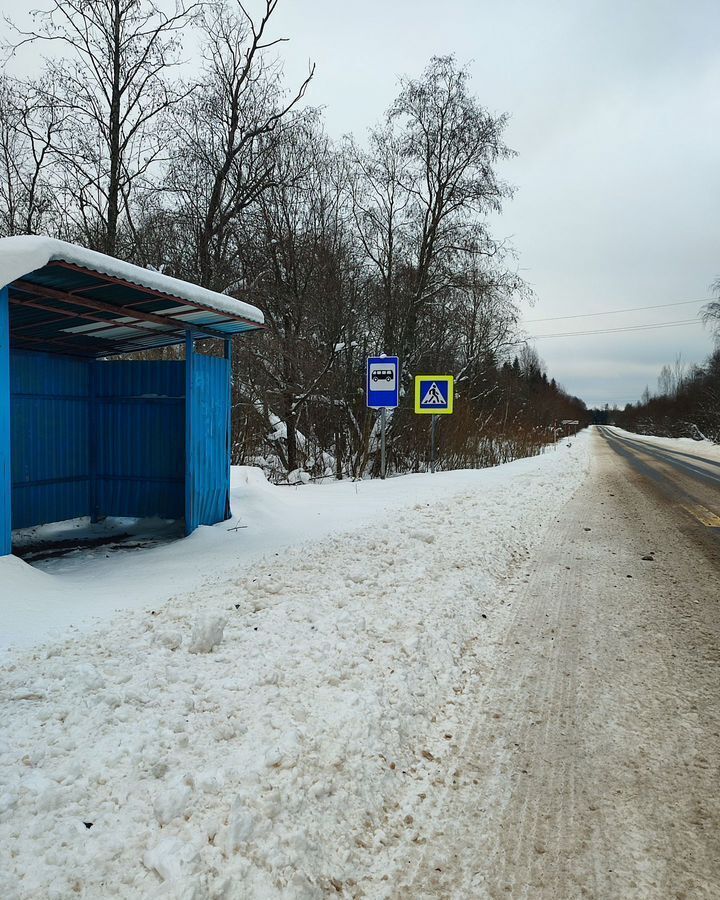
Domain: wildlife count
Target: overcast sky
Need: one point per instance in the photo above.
(615, 116)
(615, 112)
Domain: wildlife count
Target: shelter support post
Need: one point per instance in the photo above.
(207, 437)
(190, 523)
(93, 424)
(228, 356)
(5, 470)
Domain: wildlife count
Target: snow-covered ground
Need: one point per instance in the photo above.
(266, 697)
(74, 592)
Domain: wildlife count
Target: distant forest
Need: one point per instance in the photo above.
(687, 400)
(686, 404)
(228, 179)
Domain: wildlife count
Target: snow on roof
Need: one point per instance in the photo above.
(22, 255)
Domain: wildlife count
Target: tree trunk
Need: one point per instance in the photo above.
(291, 427)
(338, 454)
(114, 144)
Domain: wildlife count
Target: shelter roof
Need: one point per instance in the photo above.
(66, 299)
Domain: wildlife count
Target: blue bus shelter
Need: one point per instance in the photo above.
(84, 432)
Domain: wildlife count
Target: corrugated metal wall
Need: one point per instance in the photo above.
(5, 473)
(50, 407)
(207, 492)
(140, 465)
(96, 438)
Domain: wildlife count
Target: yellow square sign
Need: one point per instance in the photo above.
(434, 394)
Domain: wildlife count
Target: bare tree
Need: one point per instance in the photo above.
(109, 82)
(29, 123)
(672, 378)
(486, 316)
(298, 248)
(427, 181)
(452, 144)
(226, 135)
(711, 312)
(381, 210)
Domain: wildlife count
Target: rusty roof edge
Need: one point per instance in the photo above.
(22, 255)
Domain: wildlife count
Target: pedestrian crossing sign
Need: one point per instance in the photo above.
(434, 394)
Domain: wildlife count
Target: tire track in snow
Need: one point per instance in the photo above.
(616, 799)
(423, 879)
(550, 694)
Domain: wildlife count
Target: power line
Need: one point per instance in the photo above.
(615, 399)
(610, 312)
(627, 328)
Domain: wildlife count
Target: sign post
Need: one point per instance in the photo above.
(382, 442)
(433, 422)
(434, 395)
(383, 392)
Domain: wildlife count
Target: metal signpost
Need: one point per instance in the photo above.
(383, 392)
(434, 397)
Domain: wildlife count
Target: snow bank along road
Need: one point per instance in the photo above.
(288, 729)
(584, 754)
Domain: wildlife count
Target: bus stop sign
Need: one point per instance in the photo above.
(383, 382)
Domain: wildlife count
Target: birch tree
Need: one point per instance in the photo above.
(431, 178)
(108, 74)
(711, 312)
(298, 248)
(227, 133)
(29, 122)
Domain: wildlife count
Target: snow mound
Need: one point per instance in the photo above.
(207, 633)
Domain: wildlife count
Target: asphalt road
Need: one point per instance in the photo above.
(687, 482)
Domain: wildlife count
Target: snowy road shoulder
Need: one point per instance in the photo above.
(76, 592)
(256, 737)
(705, 449)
